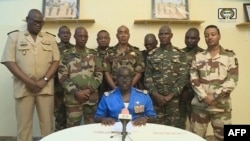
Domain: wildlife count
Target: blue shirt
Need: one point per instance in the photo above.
(111, 104)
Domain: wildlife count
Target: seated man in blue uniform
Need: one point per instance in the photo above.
(138, 102)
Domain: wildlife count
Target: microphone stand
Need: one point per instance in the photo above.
(124, 131)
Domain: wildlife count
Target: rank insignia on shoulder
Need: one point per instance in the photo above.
(51, 34)
(12, 32)
(108, 93)
(142, 91)
(228, 50)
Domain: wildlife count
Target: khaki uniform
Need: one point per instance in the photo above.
(34, 58)
(218, 76)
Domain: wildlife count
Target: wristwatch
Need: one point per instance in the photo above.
(46, 79)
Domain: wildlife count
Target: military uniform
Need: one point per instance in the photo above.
(79, 71)
(187, 93)
(34, 58)
(166, 73)
(116, 58)
(104, 86)
(60, 109)
(218, 76)
(112, 103)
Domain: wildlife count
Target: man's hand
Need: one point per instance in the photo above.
(168, 97)
(82, 95)
(108, 121)
(160, 99)
(140, 121)
(210, 100)
(33, 86)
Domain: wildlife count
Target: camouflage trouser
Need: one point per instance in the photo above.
(59, 108)
(76, 112)
(200, 119)
(169, 114)
(185, 106)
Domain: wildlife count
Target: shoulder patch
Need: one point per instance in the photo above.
(142, 91)
(51, 34)
(12, 31)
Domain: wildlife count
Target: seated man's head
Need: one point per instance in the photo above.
(124, 77)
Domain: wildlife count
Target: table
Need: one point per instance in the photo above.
(98, 132)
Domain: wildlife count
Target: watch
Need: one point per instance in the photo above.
(46, 79)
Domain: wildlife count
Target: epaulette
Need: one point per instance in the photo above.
(51, 34)
(142, 91)
(135, 47)
(179, 49)
(228, 50)
(12, 32)
(108, 93)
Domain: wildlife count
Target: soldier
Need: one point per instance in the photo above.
(165, 77)
(150, 43)
(103, 40)
(136, 101)
(33, 58)
(60, 110)
(123, 54)
(214, 75)
(80, 73)
(192, 39)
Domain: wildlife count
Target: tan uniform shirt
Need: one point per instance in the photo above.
(33, 57)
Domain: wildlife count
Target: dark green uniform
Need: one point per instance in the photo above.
(187, 93)
(80, 71)
(59, 106)
(165, 74)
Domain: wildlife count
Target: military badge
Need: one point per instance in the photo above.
(26, 34)
(139, 108)
(23, 44)
(46, 42)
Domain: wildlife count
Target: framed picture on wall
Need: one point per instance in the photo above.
(53, 9)
(170, 9)
(246, 7)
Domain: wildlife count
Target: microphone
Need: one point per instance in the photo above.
(124, 117)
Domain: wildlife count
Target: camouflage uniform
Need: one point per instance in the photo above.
(116, 58)
(104, 86)
(166, 73)
(80, 71)
(218, 76)
(187, 93)
(59, 106)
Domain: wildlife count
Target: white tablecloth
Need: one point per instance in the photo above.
(98, 132)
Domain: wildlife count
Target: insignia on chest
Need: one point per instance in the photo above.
(46, 42)
(23, 44)
(139, 108)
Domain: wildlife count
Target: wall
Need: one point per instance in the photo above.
(113, 13)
